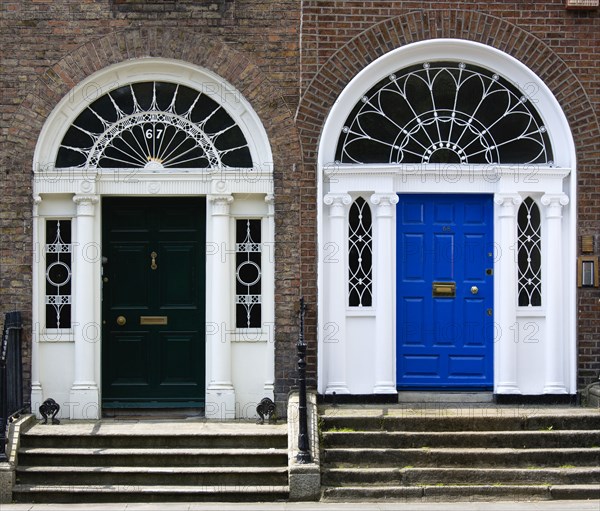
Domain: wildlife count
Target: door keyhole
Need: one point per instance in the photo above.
(153, 264)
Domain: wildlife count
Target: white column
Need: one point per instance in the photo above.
(268, 293)
(506, 309)
(334, 328)
(84, 397)
(554, 295)
(385, 341)
(220, 394)
(37, 395)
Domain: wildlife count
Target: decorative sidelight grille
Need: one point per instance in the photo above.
(529, 253)
(58, 254)
(360, 255)
(248, 298)
(444, 112)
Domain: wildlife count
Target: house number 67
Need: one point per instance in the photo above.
(149, 133)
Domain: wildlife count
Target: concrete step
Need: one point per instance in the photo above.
(141, 493)
(451, 457)
(132, 441)
(419, 476)
(454, 420)
(467, 439)
(513, 492)
(31, 456)
(164, 476)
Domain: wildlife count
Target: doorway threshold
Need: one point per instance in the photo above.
(412, 396)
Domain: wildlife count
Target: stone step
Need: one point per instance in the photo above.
(451, 457)
(140, 493)
(511, 492)
(140, 476)
(467, 439)
(411, 420)
(31, 456)
(132, 441)
(418, 476)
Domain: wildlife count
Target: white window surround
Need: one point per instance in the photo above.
(556, 182)
(230, 193)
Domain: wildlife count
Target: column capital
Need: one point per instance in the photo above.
(337, 203)
(220, 203)
(555, 199)
(37, 200)
(384, 203)
(85, 204)
(508, 202)
(337, 199)
(270, 201)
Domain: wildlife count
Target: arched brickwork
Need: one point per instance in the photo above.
(358, 52)
(208, 52)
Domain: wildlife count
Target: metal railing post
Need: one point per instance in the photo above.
(303, 445)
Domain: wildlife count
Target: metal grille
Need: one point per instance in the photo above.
(444, 112)
(360, 255)
(154, 125)
(58, 273)
(530, 254)
(248, 298)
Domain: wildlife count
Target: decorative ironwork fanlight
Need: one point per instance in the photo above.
(444, 112)
(154, 125)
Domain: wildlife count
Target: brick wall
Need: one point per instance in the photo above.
(291, 60)
(49, 46)
(340, 38)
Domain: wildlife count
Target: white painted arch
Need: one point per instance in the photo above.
(338, 184)
(65, 366)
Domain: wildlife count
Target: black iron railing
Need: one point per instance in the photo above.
(11, 374)
(303, 445)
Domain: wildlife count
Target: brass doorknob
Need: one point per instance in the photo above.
(474, 290)
(121, 320)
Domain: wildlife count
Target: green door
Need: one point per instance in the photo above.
(153, 346)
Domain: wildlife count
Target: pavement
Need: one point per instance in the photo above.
(545, 505)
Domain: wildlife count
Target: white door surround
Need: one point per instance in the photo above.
(535, 347)
(66, 362)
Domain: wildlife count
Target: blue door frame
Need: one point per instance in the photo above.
(445, 295)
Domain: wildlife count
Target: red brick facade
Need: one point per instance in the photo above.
(290, 60)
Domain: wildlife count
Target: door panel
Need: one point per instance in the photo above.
(154, 278)
(445, 340)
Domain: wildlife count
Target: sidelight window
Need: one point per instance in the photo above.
(58, 253)
(360, 255)
(248, 298)
(529, 253)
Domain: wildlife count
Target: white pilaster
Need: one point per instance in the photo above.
(84, 397)
(385, 341)
(506, 308)
(220, 394)
(334, 329)
(37, 394)
(554, 295)
(268, 298)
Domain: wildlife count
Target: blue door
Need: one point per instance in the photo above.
(444, 315)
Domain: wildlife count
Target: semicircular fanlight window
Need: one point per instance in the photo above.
(444, 112)
(154, 125)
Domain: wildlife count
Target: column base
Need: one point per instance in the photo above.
(338, 388)
(507, 388)
(220, 404)
(555, 388)
(37, 398)
(385, 388)
(84, 402)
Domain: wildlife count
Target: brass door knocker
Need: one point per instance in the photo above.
(153, 264)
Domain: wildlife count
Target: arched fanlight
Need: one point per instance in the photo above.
(154, 125)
